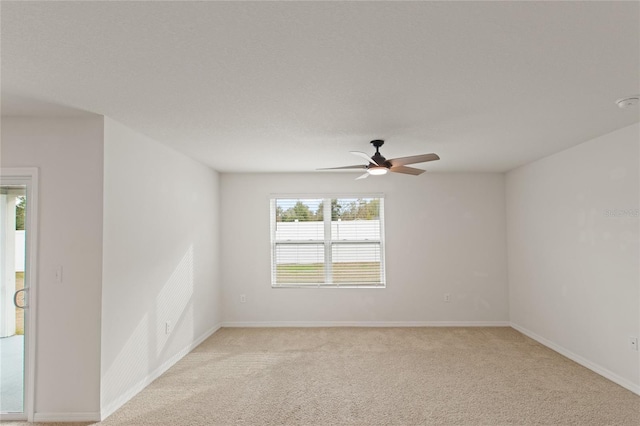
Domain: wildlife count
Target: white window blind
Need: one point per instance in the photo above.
(327, 242)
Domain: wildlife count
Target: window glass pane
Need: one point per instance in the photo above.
(356, 264)
(355, 208)
(299, 263)
(299, 220)
(355, 219)
(358, 230)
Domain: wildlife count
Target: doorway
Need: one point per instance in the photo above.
(17, 292)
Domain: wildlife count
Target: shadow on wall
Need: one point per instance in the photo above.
(150, 339)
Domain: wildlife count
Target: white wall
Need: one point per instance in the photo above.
(445, 233)
(160, 260)
(69, 155)
(573, 270)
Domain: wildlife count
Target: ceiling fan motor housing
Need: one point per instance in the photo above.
(377, 157)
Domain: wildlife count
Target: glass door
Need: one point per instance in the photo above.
(13, 299)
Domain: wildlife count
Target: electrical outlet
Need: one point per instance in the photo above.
(243, 298)
(633, 343)
(167, 327)
(447, 297)
(59, 275)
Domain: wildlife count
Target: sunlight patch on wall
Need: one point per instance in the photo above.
(173, 309)
(130, 361)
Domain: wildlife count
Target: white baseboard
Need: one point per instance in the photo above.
(231, 324)
(66, 417)
(135, 389)
(13, 417)
(580, 360)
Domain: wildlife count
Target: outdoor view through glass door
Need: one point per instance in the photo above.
(13, 321)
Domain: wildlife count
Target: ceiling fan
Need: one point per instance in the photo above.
(378, 165)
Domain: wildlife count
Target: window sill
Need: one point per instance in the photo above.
(362, 286)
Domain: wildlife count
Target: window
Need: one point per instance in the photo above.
(327, 242)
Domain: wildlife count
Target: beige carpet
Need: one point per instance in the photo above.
(377, 376)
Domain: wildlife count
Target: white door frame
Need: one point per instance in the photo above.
(28, 176)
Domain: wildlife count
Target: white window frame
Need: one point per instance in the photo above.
(328, 242)
(27, 176)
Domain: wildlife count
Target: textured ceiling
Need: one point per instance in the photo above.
(294, 86)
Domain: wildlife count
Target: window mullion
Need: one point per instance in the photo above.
(328, 261)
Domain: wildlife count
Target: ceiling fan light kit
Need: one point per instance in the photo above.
(378, 165)
(377, 170)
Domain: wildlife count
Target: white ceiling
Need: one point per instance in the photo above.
(294, 86)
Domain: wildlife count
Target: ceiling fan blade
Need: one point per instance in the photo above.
(365, 156)
(407, 170)
(360, 166)
(364, 176)
(414, 159)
